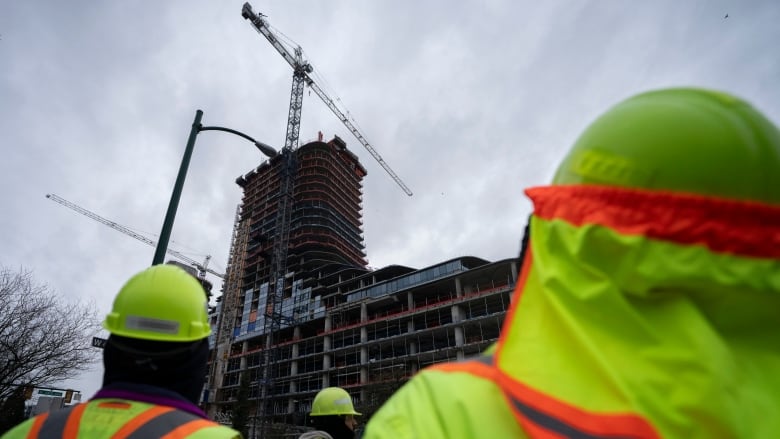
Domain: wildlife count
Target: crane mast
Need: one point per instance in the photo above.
(301, 77)
(202, 267)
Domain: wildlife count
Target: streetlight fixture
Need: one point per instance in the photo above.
(165, 234)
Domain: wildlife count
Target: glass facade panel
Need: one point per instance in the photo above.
(407, 281)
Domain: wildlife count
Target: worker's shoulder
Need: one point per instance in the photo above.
(20, 431)
(445, 402)
(193, 426)
(215, 431)
(113, 413)
(452, 384)
(315, 434)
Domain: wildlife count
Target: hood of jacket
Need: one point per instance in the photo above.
(656, 306)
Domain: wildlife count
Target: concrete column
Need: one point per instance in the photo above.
(220, 363)
(457, 313)
(363, 312)
(294, 367)
(458, 336)
(413, 366)
(458, 288)
(514, 279)
(326, 357)
(460, 356)
(412, 347)
(363, 350)
(244, 348)
(295, 347)
(293, 390)
(409, 300)
(410, 326)
(328, 322)
(297, 333)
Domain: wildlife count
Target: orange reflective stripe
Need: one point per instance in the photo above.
(744, 228)
(534, 407)
(543, 417)
(141, 419)
(74, 420)
(185, 430)
(36, 426)
(517, 297)
(114, 405)
(473, 367)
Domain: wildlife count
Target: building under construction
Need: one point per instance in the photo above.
(332, 321)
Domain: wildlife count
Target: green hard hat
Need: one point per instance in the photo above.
(161, 303)
(684, 140)
(332, 401)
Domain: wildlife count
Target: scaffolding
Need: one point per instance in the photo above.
(228, 309)
(372, 345)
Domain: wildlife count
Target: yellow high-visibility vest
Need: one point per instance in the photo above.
(119, 418)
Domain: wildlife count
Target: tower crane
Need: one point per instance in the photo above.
(302, 70)
(201, 267)
(301, 76)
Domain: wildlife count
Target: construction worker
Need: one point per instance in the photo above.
(332, 415)
(155, 364)
(648, 300)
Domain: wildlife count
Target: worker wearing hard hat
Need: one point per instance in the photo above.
(648, 300)
(155, 363)
(332, 415)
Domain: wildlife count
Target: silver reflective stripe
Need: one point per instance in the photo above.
(559, 426)
(152, 325)
(548, 422)
(158, 426)
(54, 425)
(484, 359)
(163, 424)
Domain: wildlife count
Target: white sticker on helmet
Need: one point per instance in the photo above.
(152, 325)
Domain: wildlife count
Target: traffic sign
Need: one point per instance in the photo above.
(49, 392)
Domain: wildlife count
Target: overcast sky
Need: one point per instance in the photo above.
(469, 103)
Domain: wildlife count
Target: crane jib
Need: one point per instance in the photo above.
(202, 267)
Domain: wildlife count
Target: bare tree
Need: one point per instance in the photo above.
(43, 339)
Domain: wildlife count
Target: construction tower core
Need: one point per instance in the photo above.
(324, 234)
(326, 225)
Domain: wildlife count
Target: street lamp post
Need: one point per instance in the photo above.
(165, 234)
